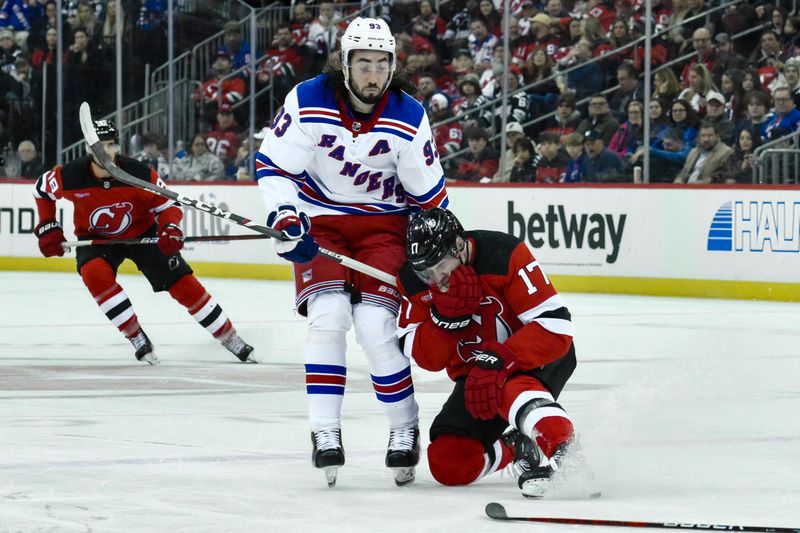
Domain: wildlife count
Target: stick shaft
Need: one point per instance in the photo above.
(660, 525)
(154, 240)
(97, 149)
(498, 512)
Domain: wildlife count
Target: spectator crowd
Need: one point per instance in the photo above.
(575, 109)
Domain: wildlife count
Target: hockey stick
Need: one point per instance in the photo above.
(154, 240)
(90, 135)
(498, 512)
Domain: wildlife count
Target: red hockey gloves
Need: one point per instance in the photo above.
(170, 239)
(50, 237)
(494, 363)
(299, 246)
(453, 310)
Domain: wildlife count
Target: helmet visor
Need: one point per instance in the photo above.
(438, 275)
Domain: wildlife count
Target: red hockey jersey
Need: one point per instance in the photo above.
(105, 207)
(519, 308)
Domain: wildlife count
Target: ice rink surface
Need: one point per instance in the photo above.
(688, 410)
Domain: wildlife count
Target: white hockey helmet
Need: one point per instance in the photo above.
(367, 34)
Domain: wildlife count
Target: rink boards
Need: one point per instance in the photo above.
(679, 241)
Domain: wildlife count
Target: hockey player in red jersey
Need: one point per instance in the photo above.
(109, 209)
(478, 305)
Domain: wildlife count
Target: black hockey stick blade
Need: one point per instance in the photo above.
(498, 512)
(90, 135)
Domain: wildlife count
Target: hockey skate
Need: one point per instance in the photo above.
(565, 475)
(328, 453)
(239, 348)
(532, 470)
(144, 348)
(402, 454)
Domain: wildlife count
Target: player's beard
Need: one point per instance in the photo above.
(372, 98)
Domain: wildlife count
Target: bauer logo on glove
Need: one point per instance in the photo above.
(486, 360)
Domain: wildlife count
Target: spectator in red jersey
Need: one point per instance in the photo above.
(300, 24)
(603, 11)
(479, 164)
(521, 46)
(492, 17)
(220, 88)
(768, 58)
(224, 140)
(428, 24)
(47, 53)
(105, 208)
(283, 64)
(448, 136)
(706, 54)
(541, 34)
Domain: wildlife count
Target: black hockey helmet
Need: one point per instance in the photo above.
(106, 130)
(431, 235)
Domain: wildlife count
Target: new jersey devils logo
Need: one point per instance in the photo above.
(490, 326)
(111, 219)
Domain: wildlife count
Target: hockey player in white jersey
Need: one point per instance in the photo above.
(346, 159)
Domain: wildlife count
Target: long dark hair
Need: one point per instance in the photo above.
(400, 81)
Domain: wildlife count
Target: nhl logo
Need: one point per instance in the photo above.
(356, 126)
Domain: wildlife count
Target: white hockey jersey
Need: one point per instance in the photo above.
(318, 157)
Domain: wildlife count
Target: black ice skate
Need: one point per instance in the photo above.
(328, 453)
(239, 348)
(144, 348)
(532, 472)
(402, 454)
(566, 474)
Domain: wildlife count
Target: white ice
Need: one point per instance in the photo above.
(688, 409)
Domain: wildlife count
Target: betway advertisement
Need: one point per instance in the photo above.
(687, 233)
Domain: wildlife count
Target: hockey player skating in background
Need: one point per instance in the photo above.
(345, 160)
(109, 209)
(479, 305)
